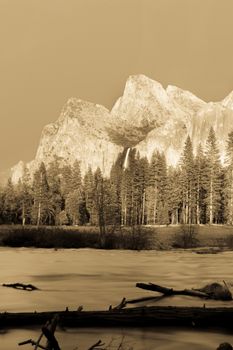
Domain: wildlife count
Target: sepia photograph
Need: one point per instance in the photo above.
(116, 174)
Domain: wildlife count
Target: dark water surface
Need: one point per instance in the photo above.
(98, 278)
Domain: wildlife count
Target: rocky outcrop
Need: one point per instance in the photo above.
(146, 116)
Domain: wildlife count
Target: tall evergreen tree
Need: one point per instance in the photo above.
(99, 200)
(188, 184)
(229, 179)
(10, 205)
(200, 175)
(89, 190)
(213, 182)
(54, 195)
(42, 207)
(174, 195)
(25, 197)
(153, 189)
(115, 191)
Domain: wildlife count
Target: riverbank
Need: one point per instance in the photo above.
(132, 238)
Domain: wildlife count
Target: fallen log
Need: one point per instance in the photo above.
(139, 316)
(21, 286)
(212, 291)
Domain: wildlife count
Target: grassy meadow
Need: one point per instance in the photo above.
(134, 238)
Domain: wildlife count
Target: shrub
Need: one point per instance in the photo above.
(133, 238)
(228, 242)
(186, 237)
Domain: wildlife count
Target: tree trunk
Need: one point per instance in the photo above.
(23, 214)
(143, 207)
(211, 202)
(38, 214)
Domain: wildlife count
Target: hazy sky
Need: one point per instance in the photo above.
(54, 49)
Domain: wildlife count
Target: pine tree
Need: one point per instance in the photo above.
(25, 197)
(42, 206)
(10, 207)
(229, 179)
(1, 205)
(99, 200)
(213, 182)
(200, 174)
(89, 188)
(188, 184)
(116, 191)
(143, 183)
(157, 208)
(162, 212)
(152, 189)
(174, 195)
(75, 202)
(66, 181)
(55, 195)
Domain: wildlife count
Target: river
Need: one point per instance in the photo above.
(98, 278)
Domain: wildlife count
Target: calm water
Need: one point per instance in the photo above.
(96, 279)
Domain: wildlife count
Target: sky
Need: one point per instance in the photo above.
(55, 49)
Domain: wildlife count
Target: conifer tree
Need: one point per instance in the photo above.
(174, 195)
(143, 183)
(42, 206)
(75, 200)
(162, 212)
(10, 207)
(55, 195)
(213, 182)
(187, 181)
(25, 197)
(200, 173)
(89, 188)
(157, 209)
(229, 179)
(99, 200)
(115, 191)
(2, 218)
(152, 189)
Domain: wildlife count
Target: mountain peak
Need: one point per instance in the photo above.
(143, 87)
(76, 107)
(142, 80)
(185, 99)
(177, 92)
(228, 101)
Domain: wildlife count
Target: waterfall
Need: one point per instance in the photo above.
(125, 165)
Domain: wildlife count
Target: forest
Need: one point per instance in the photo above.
(199, 190)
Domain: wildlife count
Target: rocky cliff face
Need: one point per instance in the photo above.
(147, 117)
(79, 133)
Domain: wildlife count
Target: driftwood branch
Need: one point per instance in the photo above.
(212, 291)
(37, 345)
(96, 345)
(143, 299)
(21, 286)
(48, 331)
(122, 304)
(33, 343)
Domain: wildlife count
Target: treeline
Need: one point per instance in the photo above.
(199, 190)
